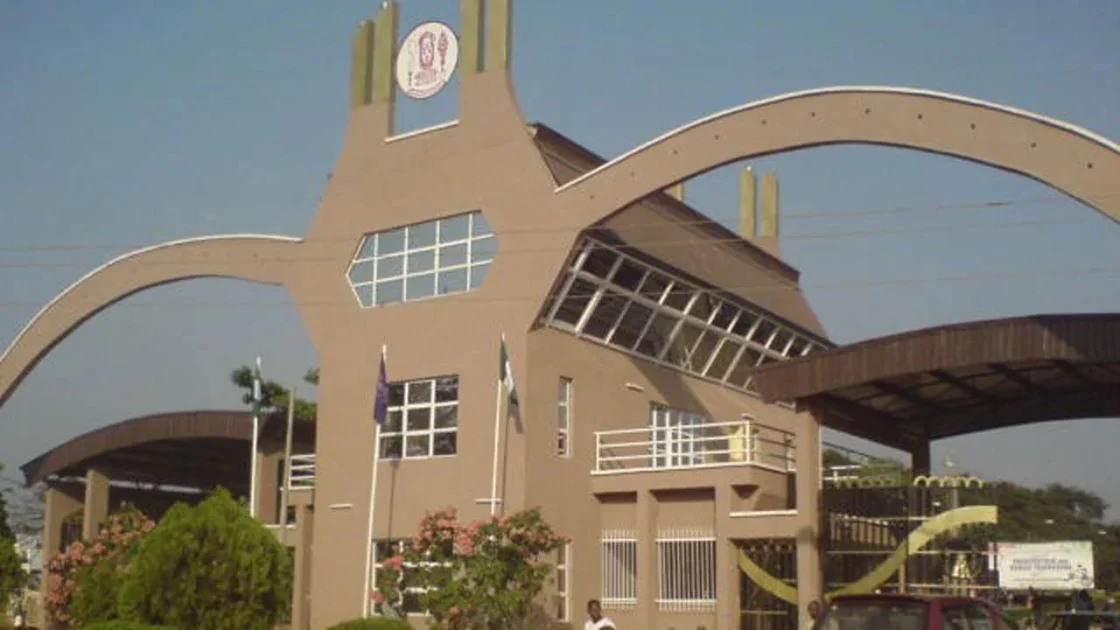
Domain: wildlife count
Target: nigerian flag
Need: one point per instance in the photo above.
(506, 374)
(257, 388)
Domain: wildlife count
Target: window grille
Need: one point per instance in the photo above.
(686, 571)
(620, 569)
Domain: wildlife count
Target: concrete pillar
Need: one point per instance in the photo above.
(727, 563)
(61, 502)
(920, 460)
(96, 509)
(748, 204)
(676, 191)
(770, 206)
(647, 560)
(810, 577)
(268, 483)
(301, 585)
(361, 65)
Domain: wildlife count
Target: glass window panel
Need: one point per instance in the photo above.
(452, 255)
(389, 292)
(454, 229)
(484, 250)
(478, 275)
(419, 419)
(679, 295)
(390, 242)
(422, 235)
(417, 445)
(632, 324)
(768, 359)
(453, 281)
(419, 262)
(365, 295)
(725, 315)
(390, 266)
(704, 306)
(420, 287)
(724, 355)
(419, 392)
(653, 287)
(604, 316)
(368, 247)
(447, 389)
(562, 419)
(447, 417)
(391, 447)
(763, 332)
(682, 344)
(361, 272)
(656, 336)
(703, 350)
(479, 225)
(396, 394)
(781, 340)
(742, 370)
(798, 347)
(743, 326)
(599, 261)
(393, 422)
(446, 443)
(629, 275)
(573, 304)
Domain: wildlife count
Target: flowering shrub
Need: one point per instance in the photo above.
(114, 544)
(482, 575)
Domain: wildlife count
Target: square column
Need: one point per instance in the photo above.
(647, 560)
(810, 577)
(96, 509)
(727, 563)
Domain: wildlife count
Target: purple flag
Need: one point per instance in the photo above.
(381, 400)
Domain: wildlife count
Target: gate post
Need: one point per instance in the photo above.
(810, 578)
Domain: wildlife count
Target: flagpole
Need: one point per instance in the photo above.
(370, 582)
(497, 437)
(256, 432)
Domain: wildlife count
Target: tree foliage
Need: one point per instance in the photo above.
(274, 396)
(12, 575)
(373, 623)
(482, 575)
(209, 567)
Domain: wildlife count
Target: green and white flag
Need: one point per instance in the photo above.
(257, 388)
(506, 374)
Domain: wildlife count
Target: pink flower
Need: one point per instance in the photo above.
(395, 563)
(378, 598)
(455, 611)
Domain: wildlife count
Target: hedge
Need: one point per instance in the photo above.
(124, 625)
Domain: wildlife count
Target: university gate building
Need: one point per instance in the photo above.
(673, 378)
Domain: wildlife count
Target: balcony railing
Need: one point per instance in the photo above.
(693, 446)
(301, 472)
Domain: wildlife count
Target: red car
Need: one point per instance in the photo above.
(910, 612)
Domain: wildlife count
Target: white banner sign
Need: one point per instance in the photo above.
(1064, 566)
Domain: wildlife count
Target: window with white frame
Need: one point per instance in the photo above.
(564, 582)
(649, 310)
(686, 570)
(411, 591)
(423, 419)
(678, 437)
(620, 569)
(423, 260)
(564, 418)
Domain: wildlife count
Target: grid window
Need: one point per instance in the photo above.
(564, 582)
(412, 590)
(423, 260)
(678, 437)
(627, 303)
(564, 418)
(620, 569)
(423, 419)
(686, 570)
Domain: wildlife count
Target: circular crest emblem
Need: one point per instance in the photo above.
(427, 59)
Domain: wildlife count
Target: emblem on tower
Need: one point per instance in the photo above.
(427, 59)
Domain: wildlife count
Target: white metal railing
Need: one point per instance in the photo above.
(301, 472)
(691, 446)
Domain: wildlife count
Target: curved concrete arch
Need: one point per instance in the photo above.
(1075, 161)
(256, 258)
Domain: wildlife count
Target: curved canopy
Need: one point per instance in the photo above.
(940, 382)
(189, 448)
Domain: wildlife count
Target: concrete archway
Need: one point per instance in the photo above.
(1065, 157)
(263, 259)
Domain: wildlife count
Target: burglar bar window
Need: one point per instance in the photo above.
(686, 571)
(620, 569)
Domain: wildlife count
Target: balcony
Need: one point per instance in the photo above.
(693, 447)
(301, 472)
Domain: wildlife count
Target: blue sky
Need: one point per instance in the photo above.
(130, 123)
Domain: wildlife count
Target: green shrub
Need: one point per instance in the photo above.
(208, 567)
(373, 623)
(95, 599)
(123, 625)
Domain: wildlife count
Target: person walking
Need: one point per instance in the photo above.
(596, 619)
